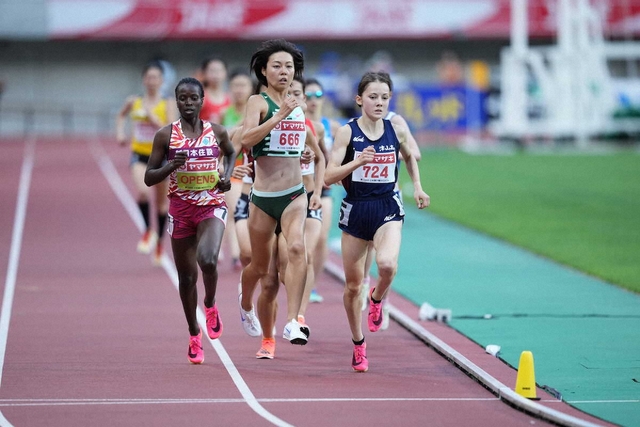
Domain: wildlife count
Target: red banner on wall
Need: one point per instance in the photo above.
(315, 19)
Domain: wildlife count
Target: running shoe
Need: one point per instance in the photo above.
(359, 361)
(250, 321)
(315, 296)
(375, 313)
(147, 242)
(267, 349)
(303, 326)
(157, 256)
(195, 353)
(385, 315)
(364, 292)
(214, 324)
(293, 333)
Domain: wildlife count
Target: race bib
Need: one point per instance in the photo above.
(381, 169)
(144, 131)
(198, 175)
(289, 134)
(307, 168)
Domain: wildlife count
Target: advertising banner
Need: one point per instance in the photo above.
(448, 109)
(313, 19)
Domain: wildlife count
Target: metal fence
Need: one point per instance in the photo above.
(16, 120)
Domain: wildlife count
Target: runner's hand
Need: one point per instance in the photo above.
(315, 202)
(179, 160)
(307, 155)
(422, 199)
(289, 104)
(241, 171)
(367, 155)
(224, 185)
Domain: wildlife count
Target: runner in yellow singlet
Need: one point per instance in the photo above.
(147, 114)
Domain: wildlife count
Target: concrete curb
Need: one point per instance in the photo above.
(503, 392)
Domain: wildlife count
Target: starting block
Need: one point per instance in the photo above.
(428, 312)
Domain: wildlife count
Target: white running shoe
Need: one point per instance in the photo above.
(385, 316)
(250, 321)
(364, 292)
(293, 333)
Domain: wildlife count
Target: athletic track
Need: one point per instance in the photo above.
(91, 334)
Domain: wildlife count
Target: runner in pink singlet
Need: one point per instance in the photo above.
(197, 210)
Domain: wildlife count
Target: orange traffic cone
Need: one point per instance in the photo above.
(526, 379)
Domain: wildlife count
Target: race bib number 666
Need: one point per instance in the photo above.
(289, 134)
(381, 169)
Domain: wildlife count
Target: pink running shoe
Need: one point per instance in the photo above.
(359, 362)
(375, 313)
(195, 353)
(214, 324)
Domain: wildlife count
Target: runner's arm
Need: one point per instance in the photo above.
(336, 171)
(156, 172)
(319, 169)
(422, 199)
(227, 150)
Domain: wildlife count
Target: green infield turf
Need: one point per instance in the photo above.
(582, 210)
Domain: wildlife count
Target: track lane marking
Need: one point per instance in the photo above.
(26, 172)
(124, 196)
(79, 402)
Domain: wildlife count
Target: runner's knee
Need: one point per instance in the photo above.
(296, 250)
(208, 264)
(387, 268)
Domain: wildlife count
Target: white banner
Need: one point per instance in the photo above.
(310, 19)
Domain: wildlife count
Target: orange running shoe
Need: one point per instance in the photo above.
(195, 353)
(147, 242)
(267, 350)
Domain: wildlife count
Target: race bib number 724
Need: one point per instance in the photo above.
(381, 169)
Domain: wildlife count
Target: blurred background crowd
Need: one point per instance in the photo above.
(66, 65)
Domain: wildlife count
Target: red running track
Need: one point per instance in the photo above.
(95, 334)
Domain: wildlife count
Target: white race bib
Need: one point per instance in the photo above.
(289, 134)
(381, 169)
(143, 131)
(307, 168)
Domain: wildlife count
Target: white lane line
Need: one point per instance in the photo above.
(120, 189)
(80, 402)
(14, 254)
